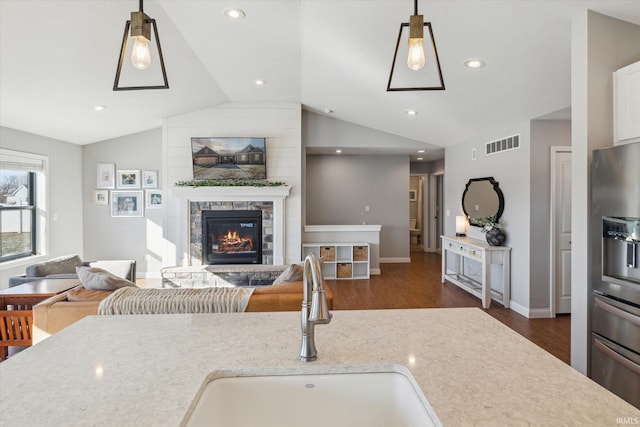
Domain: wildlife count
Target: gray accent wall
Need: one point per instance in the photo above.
(339, 187)
(64, 197)
(106, 237)
(544, 135)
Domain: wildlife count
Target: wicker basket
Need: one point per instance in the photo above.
(344, 270)
(360, 253)
(328, 253)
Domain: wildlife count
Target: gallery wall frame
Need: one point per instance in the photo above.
(149, 179)
(128, 178)
(128, 204)
(154, 199)
(106, 175)
(100, 197)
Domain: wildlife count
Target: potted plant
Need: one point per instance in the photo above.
(491, 228)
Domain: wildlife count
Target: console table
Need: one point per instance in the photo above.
(465, 248)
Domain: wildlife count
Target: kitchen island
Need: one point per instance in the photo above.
(146, 370)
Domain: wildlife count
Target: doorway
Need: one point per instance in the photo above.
(417, 216)
(436, 205)
(560, 237)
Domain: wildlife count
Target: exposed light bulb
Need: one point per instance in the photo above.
(140, 57)
(416, 59)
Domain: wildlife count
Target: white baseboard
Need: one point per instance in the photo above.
(374, 271)
(530, 313)
(398, 260)
(540, 313)
(520, 309)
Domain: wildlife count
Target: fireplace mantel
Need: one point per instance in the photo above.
(181, 198)
(232, 193)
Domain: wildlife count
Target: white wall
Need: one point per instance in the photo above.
(512, 171)
(599, 46)
(106, 237)
(279, 123)
(339, 187)
(64, 198)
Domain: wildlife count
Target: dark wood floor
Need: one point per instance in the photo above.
(418, 285)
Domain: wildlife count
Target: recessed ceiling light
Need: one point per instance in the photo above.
(100, 107)
(474, 63)
(420, 151)
(420, 158)
(338, 151)
(260, 82)
(235, 14)
(411, 112)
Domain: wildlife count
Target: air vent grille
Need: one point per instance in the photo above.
(505, 144)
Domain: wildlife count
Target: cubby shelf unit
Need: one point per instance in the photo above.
(341, 261)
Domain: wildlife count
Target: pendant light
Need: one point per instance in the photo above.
(139, 29)
(413, 32)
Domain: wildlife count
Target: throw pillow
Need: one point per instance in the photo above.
(61, 265)
(293, 273)
(101, 280)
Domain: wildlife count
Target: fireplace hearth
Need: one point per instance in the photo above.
(231, 237)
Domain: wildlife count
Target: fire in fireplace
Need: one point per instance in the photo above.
(232, 237)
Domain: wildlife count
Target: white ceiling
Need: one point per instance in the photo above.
(58, 60)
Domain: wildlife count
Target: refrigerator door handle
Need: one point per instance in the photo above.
(617, 312)
(634, 367)
(631, 255)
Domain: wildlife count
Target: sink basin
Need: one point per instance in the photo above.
(329, 399)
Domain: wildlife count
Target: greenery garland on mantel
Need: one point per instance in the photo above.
(229, 183)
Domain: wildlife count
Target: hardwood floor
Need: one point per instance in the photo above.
(418, 285)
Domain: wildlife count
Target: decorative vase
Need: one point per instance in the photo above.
(495, 237)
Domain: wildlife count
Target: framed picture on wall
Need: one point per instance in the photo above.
(101, 197)
(149, 179)
(128, 178)
(413, 195)
(154, 199)
(106, 175)
(127, 204)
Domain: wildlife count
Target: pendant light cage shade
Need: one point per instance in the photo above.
(141, 28)
(401, 78)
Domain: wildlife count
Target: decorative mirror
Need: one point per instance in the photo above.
(482, 197)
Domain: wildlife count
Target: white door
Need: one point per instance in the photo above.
(561, 229)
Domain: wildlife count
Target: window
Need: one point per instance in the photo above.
(19, 176)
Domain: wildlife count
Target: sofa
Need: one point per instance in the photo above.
(64, 267)
(60, 311)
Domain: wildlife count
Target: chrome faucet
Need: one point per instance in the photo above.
(315, 309)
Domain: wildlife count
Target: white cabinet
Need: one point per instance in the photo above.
(341, 260)
(626, 104)
(465, 248)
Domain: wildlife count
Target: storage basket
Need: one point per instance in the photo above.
(328, 253)
(360, 253)
(344, 270)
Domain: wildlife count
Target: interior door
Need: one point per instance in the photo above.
(561, 229)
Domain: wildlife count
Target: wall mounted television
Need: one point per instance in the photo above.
(229, 158)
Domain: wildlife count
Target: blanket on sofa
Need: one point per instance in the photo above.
(130, 300)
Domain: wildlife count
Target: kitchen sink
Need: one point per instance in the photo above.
(389, 398)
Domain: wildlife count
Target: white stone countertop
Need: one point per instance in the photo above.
(146, 370)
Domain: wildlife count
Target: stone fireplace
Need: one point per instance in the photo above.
(189, 204)
(232, 232)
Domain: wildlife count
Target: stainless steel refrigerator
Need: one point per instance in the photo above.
(615, 242)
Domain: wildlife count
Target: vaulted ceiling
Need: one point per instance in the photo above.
(58, 61)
